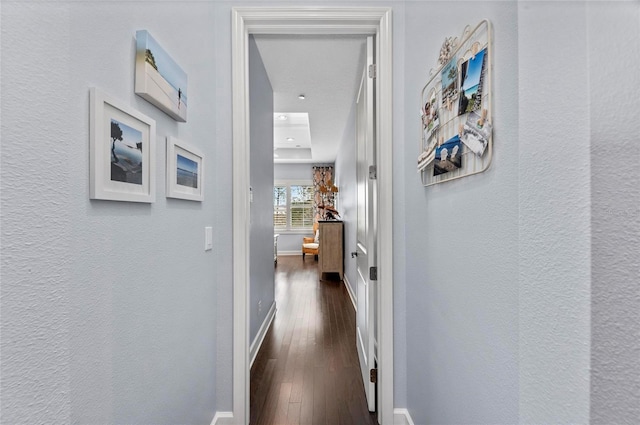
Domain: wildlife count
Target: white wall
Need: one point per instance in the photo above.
(461, 247)
(262, 290)
(553, 213)
(109, 309)
(615, 211)
(293, 172)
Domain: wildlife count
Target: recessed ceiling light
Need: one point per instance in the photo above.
(290, 139)
(301, 96)
(282, 117)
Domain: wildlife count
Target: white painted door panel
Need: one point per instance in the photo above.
(366, 249)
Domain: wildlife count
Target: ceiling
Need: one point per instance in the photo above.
(327, 70)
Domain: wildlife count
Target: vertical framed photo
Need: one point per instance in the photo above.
(121, 151)
(159, 79)
(185, 171)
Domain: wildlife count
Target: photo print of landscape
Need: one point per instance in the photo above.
(471, 83)
(449, 76)
(186, 172)
(448, 156)
(126, 153)
(159, 79)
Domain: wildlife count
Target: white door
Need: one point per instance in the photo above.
(366, 249)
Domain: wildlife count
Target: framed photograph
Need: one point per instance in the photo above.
(185, 171)
(122, 151)
(159, 79)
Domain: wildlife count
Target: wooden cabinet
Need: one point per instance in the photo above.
(331, 254)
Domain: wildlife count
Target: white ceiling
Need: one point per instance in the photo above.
(325, 68)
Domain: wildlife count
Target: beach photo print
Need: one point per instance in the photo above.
(159, 79)
(121, 150)
(185, 171)
(472, 76)
(448, 156)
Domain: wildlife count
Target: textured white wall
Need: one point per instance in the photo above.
(615, 211)
(261, 228)
(108, 308)
(462, 240)
(553, 213)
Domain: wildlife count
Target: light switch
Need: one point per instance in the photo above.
(208, 238)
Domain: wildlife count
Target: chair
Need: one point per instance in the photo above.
(310, 245)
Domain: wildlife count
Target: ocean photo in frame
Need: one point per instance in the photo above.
(185, 171)
(121, 151)
(159, 79)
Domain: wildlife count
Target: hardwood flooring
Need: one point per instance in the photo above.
(307, 370)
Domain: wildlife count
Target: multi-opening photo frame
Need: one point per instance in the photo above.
(122, 151)
(456, 109)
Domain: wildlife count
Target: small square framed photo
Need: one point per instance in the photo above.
(121, 151)
(185, 171)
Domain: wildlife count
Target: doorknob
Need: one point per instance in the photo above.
(354, 254)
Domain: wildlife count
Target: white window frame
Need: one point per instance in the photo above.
(289, 229)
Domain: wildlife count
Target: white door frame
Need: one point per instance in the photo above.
(310, 20)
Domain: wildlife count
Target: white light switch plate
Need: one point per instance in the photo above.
(208, 238)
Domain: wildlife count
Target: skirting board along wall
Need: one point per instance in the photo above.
(299, 252)
(400, 417)
(257, 342)
(347, 284)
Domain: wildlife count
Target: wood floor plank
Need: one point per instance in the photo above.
(307, 370)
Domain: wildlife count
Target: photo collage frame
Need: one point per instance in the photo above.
(455, 109)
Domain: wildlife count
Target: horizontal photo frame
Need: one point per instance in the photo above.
(185, 171)
(159, 79)
(121, 151)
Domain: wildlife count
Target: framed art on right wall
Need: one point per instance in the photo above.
(185, 171)
(455, 109)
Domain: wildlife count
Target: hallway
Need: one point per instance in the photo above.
(307, 370)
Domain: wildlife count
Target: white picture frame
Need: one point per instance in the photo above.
(185, 171)
(121, 151)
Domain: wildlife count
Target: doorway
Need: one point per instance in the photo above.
(304, 20)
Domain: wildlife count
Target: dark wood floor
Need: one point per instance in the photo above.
(307, 370)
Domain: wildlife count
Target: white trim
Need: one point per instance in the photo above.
(310, 20)
(223, 418)
(290, 253)
(350, 292)
(402, 417)
(262, 332)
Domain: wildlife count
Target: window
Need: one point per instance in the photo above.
(292, 206)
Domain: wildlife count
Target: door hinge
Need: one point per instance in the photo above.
(373, 172)
(373, 273)
(373, 375)
(373, 71)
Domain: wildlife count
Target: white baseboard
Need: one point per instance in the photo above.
(287, 253)
(223, 418)
(350, 291)
(402, 417)
(257, 342)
